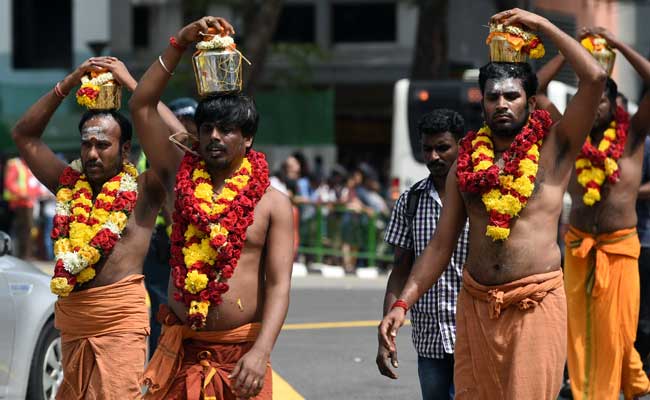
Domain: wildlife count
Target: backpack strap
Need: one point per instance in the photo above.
(412, 200)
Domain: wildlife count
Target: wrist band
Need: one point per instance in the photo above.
(162, 64)
(58, 92)
(401, 304)
(174, 43)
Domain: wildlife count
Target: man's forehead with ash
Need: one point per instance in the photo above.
(505, 85)
(98, 130)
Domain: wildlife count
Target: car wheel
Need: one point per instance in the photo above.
(46, 371)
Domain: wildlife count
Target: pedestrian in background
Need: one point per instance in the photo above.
(412, 223)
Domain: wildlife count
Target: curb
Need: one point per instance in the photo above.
(300, 270)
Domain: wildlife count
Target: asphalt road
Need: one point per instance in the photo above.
(322, 362)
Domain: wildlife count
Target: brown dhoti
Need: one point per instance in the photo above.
(195, 365)
(104, 340)
(511, 339)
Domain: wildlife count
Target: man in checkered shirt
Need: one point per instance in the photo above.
(411, 225)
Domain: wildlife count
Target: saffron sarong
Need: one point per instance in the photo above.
(104, 340)
(602, 284)
(510, 339)
(195, 365)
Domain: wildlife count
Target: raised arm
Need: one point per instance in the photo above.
(164, 157)
(278, 263)
(640, 122)
(578, 118)
(27, 132)
(430, 265)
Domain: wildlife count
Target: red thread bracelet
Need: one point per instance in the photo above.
(174, 43)
(401, 304)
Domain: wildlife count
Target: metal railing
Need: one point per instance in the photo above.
(326, 230)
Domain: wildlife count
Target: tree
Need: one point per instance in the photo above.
(430, 53)
(259, 21)
(430, 58)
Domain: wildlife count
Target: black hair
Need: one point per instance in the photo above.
(228, 110)
(126, 130)
(505, 70)
(611, 90)
(302, 160)
(442, 120)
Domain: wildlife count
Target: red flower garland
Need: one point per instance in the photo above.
(506, 192)
(236, 218)
(614, 151)
(488, 179)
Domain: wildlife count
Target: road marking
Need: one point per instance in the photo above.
(333, 325)
(282, 390)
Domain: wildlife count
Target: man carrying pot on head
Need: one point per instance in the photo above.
(105, 214)
(232, 236)
(509, 180)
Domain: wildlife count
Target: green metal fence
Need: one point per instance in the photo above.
(326, 229)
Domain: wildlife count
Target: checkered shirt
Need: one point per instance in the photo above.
(434, 315)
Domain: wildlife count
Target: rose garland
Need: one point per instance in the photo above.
(594, 164)
(84, 232)
(504, 193)
(209, 230)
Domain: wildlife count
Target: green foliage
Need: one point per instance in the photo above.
(298, 58)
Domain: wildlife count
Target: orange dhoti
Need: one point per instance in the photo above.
(104, 340)
(195, 365)
(602, 283)
(510, 339)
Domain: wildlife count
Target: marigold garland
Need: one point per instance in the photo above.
(209, 230)
(84, 232)
(90, 87)
(504, 193)
(595, 164)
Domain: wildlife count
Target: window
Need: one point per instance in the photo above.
(141, 27)
(42, 34)
(297, 24)
(364, 22)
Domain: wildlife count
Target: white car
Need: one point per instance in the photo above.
(30, 346)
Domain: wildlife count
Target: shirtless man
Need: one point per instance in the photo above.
(603, 296)
(103, 322)
(511, 315)
(219, 336)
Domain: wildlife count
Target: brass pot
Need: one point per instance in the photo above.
(109, 97)
(502, 51)
(217, 71)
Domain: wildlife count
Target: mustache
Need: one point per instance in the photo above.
(434, 164)
(502, 114)
(90, 164)
(215, 146)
